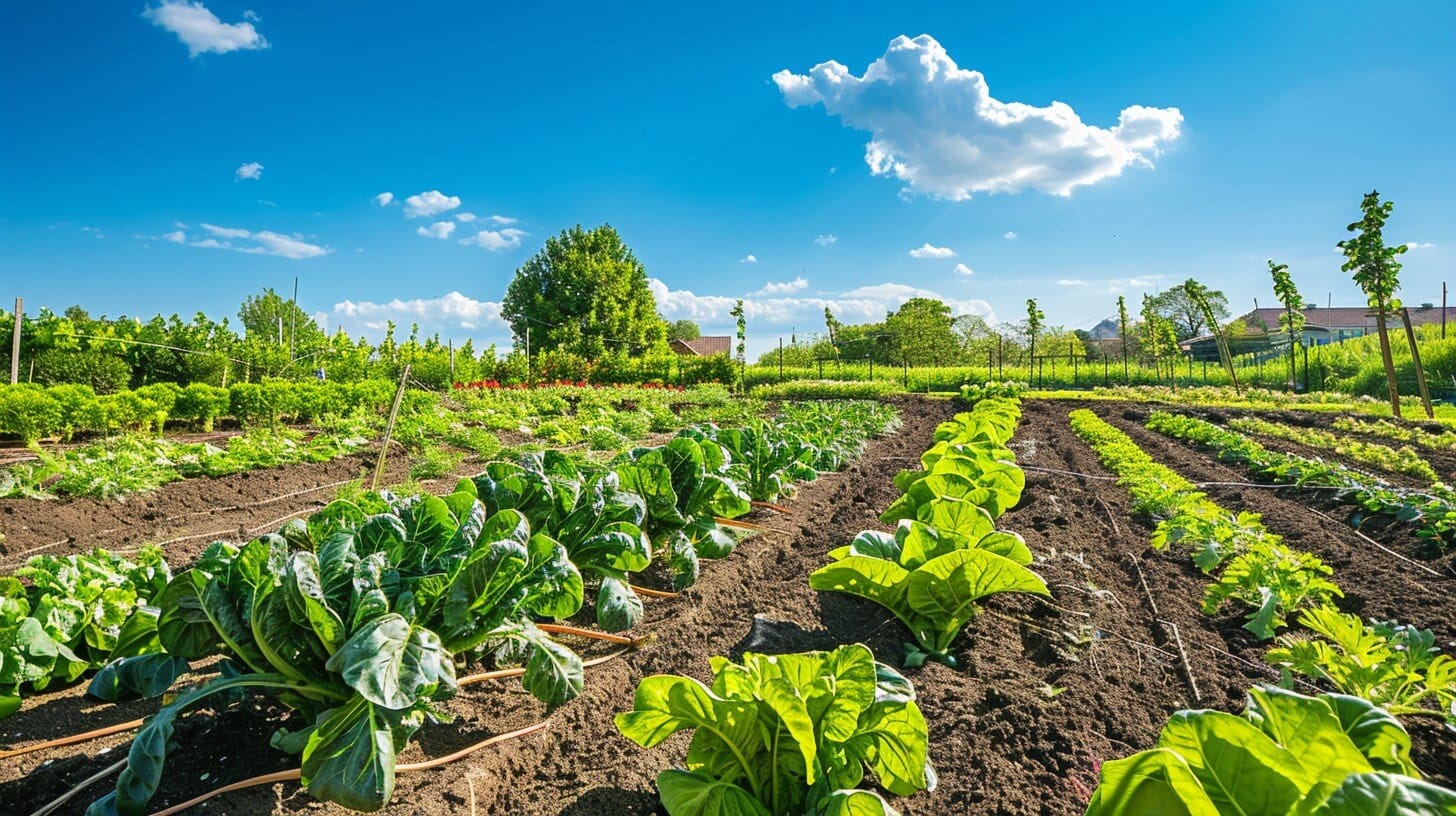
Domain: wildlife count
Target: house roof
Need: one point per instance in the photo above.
(704, 346)
(1342, 317)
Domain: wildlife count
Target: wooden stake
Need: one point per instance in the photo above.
(15, 345)
(389, 427)
(1410, 336)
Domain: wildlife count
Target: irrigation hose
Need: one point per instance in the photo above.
(288, 776)
(777, 508)
(741, 525)
(51, 806)
(653, 593)
(131, 725)
(562, 629)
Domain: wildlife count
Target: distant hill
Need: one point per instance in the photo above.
(1105, 330)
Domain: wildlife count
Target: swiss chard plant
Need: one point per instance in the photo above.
(786, 735)
(686, 485)
(63, 616)
(1292, 755)
(932, 580)
(969, 461)
(767, 459)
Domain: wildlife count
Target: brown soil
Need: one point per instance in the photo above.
(1045, 692)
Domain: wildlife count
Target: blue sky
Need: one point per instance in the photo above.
(176, 156)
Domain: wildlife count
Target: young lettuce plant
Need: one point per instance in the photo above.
(932, 580)
(1292, 755)
(786, 735)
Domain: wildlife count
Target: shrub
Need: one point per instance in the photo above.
(556, 365)
(202, 404)
(79, 409)
(825, 389)
(29, 412)
(717, 368)
(106, 373)
(163, 398)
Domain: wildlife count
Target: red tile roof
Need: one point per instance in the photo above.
(1343, 317)
(704, 346)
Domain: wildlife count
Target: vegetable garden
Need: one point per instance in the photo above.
(993, 604)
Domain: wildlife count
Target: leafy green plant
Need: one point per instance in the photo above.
(1377, 271)
(1396, 667)
(785, 735)
(1273, 581)
(969, 462)
(1442, 440)
(1289, 754)
(932, 580)
(1291, 320)
(687, 485)
(62, 616)
(1397, 460)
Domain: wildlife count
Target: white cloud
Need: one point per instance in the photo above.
(262, 242)
(439, 229)
(453, 309)
(787, 287)
(1419, 245)
(748, 259)
(384, 199)
(465, 217)
(429, 203)
(936, 127)
(1118, 285)
(1010, 236)
(962, 269)
(827, 239)
(496, 240)
(928, 251)
(201, 31)
(501, 219)
(862, 304)
(250, 171)
(1072, 282)
(266, 203)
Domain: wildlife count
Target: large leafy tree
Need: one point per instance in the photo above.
(1201, 297)
(921, 329)
(1187, 313)
(683, 330)
(1376, 269)
(269, 316)
(586, 293)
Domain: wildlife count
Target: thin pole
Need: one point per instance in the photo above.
(15, 344)
(452, 359)
(1410, 336)
(389, 427)
(1443, 310)
(293, 319)
(781, 359)
(528, 352)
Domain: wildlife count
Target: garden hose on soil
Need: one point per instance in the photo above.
(295, 774)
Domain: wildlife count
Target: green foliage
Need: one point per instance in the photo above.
(1190, 310)
(946, 554)
(1399, 668)
(584, 292)
(921, 331)
(202, 404)
(784, 735)
(60, 617)
(30, 413)
(1397, 460)
(825, 389)
(1433, 510)
(1426, 438)
(104, 372)
(1258, 570)
(1289, 754)
(1373, 265)
(683, 330)
(972, 393)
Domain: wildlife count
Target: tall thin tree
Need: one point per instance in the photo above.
(1377, 271)
(1291, 320)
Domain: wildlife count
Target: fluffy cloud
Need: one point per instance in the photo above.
(1010, 236)
(439, 229)
(429, 203)
(384, 199)
(496, 240)
(250, 171)
(787, 287)
(262, 242)
(748, 259)
(201, 31)
(1420, 245)
(862, 304)
(928, 251)
(936, 127)
(1072, 282)
(501, 219)
(962, 269)
(451, 310)
(828, 239)
(465, 217)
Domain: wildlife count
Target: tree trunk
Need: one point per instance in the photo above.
(1386, 358)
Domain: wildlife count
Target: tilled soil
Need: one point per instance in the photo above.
(1045, 692)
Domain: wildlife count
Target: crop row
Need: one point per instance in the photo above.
(359, 617)
(1328, 765)
(1439, 440)
(1396, 460)
(1433, 511)
(785, 735)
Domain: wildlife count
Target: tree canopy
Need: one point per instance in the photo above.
(1186, 312)
(586, 293)
(683, 330)
(922, 331)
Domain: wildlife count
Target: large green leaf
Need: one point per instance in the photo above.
(394, 664)
(349, 758)
(1156, 782)
(1378, 735)
(1240, 768)
(145, 675)
(854, 803)
(618, 607)
(1308, 728)
(945, 589)
(689, 794)
(1380, 794)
